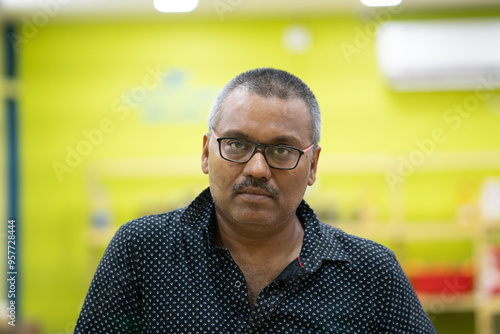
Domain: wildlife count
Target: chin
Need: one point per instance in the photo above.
(256, 220)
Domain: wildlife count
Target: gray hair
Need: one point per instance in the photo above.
(270, 82)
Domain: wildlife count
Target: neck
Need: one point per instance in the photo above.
(252, 241)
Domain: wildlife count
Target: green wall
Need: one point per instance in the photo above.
(145, 156)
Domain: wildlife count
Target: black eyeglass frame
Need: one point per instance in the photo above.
(262, 147)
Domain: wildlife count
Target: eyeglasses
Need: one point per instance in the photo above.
(276, 156)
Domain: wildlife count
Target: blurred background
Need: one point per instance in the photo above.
(104, 106)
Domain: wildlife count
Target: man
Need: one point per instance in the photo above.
(248, 255)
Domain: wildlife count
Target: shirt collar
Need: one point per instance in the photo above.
(321, 242)
(198, 213)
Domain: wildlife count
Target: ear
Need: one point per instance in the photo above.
(204, 153)
(314, 166)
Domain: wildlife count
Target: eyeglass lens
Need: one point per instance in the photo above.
(241, 151)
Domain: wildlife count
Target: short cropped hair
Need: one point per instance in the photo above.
(270, 82)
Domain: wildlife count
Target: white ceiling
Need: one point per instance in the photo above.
(215, 8)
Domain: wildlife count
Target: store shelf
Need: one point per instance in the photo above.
(439, 161)
(424, 231)
(374, 231)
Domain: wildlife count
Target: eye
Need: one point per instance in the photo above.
(279, 151)
(237, 145)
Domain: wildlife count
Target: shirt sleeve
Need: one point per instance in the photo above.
(402, 312)
(113, 301)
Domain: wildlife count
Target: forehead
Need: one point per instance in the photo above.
(264, 118)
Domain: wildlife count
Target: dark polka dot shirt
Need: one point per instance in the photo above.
(164, 274)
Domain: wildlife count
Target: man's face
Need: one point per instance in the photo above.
(254, 193)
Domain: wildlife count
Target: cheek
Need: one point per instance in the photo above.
(295, 184)
(221, 173)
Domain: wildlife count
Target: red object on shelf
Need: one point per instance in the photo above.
(433, 282)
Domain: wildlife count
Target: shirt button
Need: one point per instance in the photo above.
(237, 284)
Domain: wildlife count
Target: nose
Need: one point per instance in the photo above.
(257, 167)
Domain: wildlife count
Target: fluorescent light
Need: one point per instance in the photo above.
(175, 6)
(380, 3)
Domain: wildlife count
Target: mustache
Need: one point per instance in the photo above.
(256, 183)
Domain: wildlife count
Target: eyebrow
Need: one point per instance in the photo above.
(284, 140)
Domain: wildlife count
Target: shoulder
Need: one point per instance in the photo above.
(153, 224)
(166, 232)
(324, 242)
(365, 264)
(148, 230)
(359, 251)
